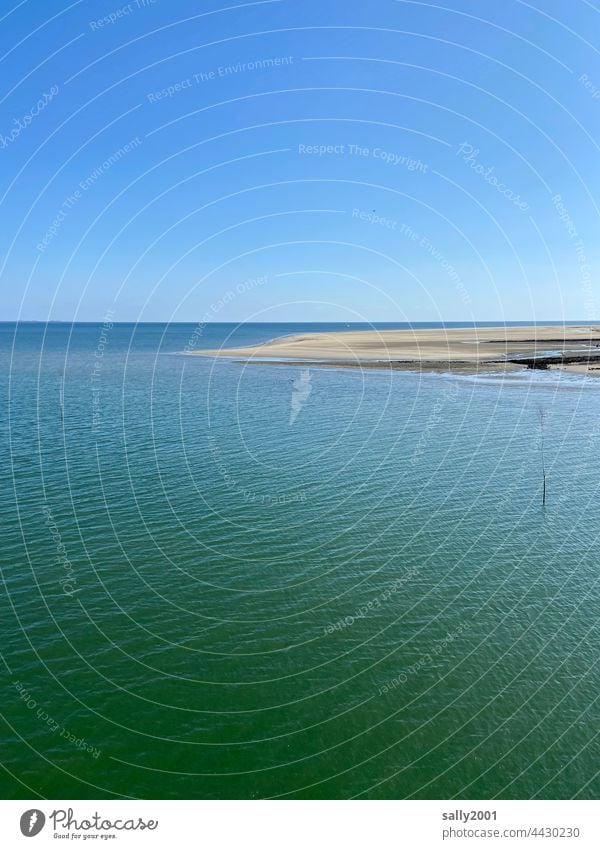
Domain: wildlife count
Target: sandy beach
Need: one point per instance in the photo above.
(568, 347)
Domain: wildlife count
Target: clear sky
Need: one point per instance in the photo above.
(300, 161)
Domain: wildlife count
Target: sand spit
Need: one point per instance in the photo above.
(571, 347)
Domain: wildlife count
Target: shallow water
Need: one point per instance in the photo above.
(237, 581)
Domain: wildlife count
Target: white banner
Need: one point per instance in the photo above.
(302, 824)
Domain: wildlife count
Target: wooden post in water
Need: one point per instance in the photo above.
(542, 416)
(544, 492)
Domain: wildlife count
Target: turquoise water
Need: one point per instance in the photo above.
(229, 581)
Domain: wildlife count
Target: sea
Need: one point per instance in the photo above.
(237, 581)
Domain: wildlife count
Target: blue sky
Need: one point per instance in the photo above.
(285, 160)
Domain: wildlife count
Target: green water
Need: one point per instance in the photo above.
(204, 600)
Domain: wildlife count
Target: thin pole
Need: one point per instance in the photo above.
(544, 492)
(541, 414)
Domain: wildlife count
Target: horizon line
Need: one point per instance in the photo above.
(305, 321)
